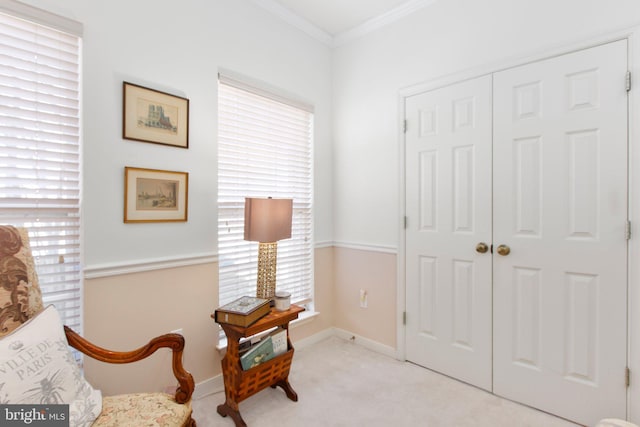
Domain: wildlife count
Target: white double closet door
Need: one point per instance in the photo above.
(530, 164)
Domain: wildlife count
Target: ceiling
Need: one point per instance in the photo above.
(339, 16)
(336, 21)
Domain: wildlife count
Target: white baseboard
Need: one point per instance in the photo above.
(366, 342)
(315, 338)
(210, 386)
(216, 384)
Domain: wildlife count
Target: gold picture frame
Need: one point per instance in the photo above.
(153, 195)
(149, 115)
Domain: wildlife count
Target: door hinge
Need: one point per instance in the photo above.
(404, 317)
(406, 221)
(627, 376)
(628, 81)
(627, 230)
(404, 126)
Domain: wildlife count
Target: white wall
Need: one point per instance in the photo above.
(447, 37)
(178, 47)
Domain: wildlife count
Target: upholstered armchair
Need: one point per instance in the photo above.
(34, 340)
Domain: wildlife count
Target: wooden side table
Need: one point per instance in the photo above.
(240, 384)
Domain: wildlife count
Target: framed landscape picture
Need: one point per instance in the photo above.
(153, 116)
(152, 195)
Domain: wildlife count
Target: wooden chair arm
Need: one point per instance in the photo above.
(173, 341)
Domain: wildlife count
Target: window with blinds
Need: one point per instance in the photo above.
(40, 151)
(264, 150)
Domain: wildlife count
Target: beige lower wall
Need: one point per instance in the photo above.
(375, 272)
(323, 297)
(123, 312)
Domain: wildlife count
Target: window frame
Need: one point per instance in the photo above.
(231, 213)
(42, 137)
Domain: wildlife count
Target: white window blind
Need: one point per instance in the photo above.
(40, 152)
(264, 150)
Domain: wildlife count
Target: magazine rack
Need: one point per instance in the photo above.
(240, 384)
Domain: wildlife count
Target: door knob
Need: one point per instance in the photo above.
(482, 248)
(504, 250)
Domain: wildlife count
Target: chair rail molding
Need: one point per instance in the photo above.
(150, 264)
(367, 247)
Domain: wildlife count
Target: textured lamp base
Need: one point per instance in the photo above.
(267, 255)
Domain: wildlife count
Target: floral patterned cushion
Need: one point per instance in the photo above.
(20, 296)
(142, 409)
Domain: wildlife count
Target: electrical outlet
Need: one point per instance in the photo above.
(363, 298)
(177, 331)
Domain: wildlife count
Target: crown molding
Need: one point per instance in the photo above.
(339, 39)
(295, 20)
(380, 21)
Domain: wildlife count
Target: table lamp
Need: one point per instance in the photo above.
(266, 221)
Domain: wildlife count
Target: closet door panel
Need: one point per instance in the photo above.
(448, 176)
(560, 206)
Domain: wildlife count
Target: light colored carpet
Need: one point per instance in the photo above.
(340, 383)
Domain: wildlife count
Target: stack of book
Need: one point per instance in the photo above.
(255, 352)
(243, 312)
